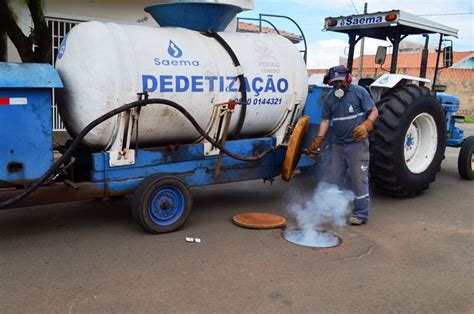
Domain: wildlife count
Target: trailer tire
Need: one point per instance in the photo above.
(465, 161)
(408, 142)
(161, 203)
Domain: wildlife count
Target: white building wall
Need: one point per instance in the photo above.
(111, 10)
(121, 11)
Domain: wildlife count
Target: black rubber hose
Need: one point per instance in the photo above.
(242, 88)
(140, 103)
(210, 139)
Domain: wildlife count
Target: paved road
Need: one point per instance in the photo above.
(415, 255)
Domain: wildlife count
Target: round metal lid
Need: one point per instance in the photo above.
(259, 221)
(293, 151)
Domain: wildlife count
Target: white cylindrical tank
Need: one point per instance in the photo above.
(105, 65)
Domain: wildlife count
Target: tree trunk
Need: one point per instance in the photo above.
(24, 44)
(3, 47)
(42, 52)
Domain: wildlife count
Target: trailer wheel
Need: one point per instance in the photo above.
(409, 141)
(161, 203)
(465, 159)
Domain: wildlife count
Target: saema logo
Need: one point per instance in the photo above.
(176, 53)
(174, 50)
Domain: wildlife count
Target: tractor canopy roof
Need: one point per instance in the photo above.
(381, 25)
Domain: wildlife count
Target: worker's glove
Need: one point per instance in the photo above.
(311, 151)
(362, 131)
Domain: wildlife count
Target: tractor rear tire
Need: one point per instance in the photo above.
(408, 142)
(465, 161)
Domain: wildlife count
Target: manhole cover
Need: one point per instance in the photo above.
(312, 238)
(259, 221)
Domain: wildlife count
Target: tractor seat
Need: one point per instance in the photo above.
(365, 82)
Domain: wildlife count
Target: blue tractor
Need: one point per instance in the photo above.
(415, 123)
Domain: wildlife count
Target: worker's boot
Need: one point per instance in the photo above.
(353, 220)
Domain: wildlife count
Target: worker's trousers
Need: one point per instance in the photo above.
(352, 159)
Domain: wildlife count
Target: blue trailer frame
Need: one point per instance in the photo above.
(189, 163)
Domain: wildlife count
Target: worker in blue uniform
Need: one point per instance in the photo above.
(353, 113)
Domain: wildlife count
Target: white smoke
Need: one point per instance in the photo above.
(327, 206)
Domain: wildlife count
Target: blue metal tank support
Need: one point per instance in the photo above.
(313, 108)
(314, 104)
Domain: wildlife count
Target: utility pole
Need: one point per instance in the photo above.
(361, 54)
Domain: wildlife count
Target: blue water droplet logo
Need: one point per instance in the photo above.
(62, 48)
(384, 80)
(174, 50)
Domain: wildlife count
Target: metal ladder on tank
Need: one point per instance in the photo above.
(262, 19)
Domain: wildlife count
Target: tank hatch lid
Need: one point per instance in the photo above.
(28, 75)
(195, 15)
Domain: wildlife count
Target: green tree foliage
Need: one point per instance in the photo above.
(34, 47)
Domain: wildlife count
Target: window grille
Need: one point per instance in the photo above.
(59, 29)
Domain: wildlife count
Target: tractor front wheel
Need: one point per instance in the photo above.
(465, 159)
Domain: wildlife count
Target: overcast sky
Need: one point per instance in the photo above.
(325, 47)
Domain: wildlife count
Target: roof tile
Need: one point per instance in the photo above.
(409, 60)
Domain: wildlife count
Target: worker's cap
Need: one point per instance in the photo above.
(337, 73)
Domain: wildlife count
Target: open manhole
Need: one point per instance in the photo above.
(312, 238)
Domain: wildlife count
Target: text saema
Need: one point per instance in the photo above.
(362, 20)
